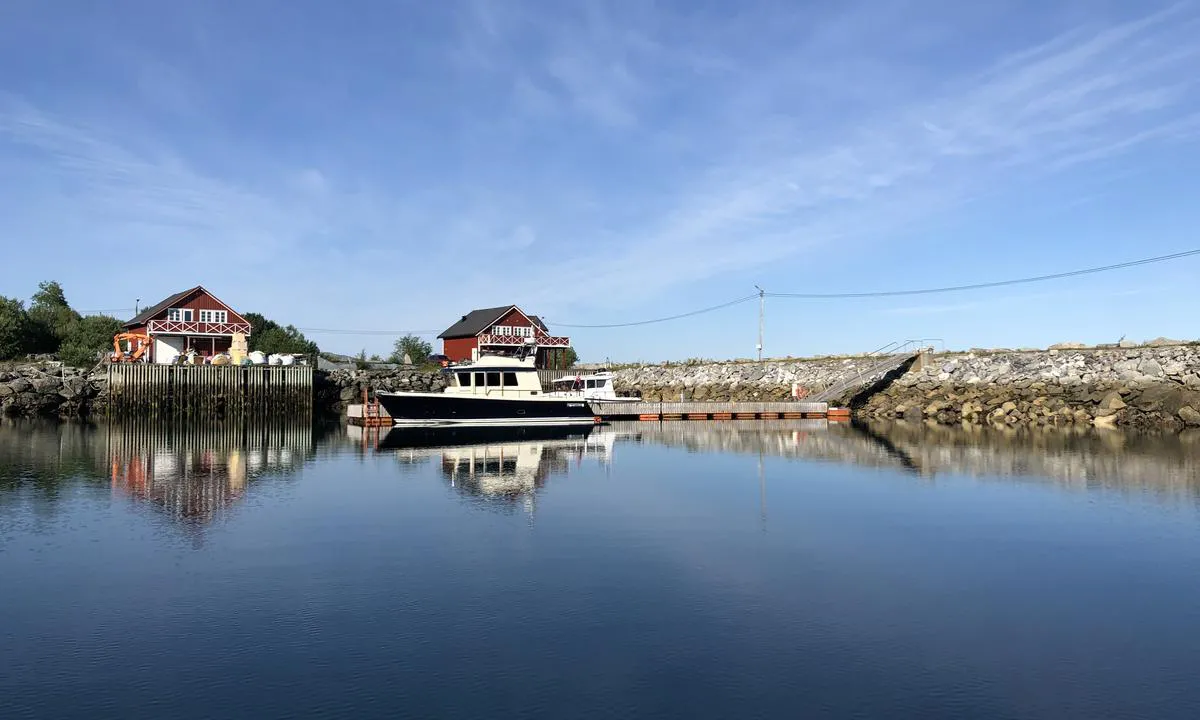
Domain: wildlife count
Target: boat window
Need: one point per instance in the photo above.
(479, 379)
(493, 379)
(591, 384)
(601, 383)
(464, 379)
(510, 379)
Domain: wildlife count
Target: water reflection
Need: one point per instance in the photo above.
(196, 473)
(1165, 465)
(192, 474)
(502, 468)
(516, 465)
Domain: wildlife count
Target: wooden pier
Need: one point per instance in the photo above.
(210, 391)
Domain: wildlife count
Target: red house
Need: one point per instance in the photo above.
(500, 328)
(190, 320)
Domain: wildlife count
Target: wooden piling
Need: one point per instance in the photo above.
(210, 391)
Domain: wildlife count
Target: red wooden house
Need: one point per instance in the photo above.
(498, 329)
(190, 320)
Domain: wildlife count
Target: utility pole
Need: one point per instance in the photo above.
(761, 304)
(136, 304)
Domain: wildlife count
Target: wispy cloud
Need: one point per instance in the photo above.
(773, 186)
(597, 155)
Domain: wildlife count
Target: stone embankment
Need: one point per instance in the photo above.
(339, 388)
(769, 380)
(1138, 387)
(1151, 386)
(48, 389)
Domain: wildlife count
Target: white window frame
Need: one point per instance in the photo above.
(214, 316)
(179, 315)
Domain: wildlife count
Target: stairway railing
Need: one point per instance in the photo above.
(887, 358)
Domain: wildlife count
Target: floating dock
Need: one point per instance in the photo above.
(717, 411)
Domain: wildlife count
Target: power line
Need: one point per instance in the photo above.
(998, 283)
(893, 293)
(658, 320)
(337, 331)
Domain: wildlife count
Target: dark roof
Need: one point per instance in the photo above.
(144, 316)
(475, 322)
(538, 321)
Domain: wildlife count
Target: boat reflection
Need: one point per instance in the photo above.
(503, 467)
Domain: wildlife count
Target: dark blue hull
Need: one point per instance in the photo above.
(450, 408)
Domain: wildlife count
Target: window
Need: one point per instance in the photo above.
(179, 315)
(601, 383)
(464, 379)
(214, 316)
(493, 379)
(591, 384)
(479, 380)
(510, 379)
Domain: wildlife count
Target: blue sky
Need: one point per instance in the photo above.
(389, 166)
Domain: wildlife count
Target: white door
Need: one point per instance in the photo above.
(167, 348)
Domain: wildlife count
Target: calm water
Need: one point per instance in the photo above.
(698, 570)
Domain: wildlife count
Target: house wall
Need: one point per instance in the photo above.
(201, 301)
(513, 318)
(458, 349)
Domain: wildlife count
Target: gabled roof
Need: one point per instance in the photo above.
(475, 322)
(144, 316)
(148, 314)
(538, 321)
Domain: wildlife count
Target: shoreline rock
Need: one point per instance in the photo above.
(49, 389)
(1152, 386)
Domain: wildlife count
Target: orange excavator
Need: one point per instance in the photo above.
(139, 344)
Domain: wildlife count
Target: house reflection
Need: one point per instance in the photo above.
(195, 474)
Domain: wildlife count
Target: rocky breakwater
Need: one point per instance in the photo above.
(769, 380)
(338, 388)
(48, 389)
(1147, 387)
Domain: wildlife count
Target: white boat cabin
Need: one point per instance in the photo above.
(591, 386)
(495, 375)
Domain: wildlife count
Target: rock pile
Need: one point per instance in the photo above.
(47, 389)
(1153, 385)
(339, 388)
(1146, 387)
(765, 381)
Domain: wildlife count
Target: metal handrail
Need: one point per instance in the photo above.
(895, 354)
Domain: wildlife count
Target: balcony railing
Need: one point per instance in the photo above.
(195, 327)
(540, 341)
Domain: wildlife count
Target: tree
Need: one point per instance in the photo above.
(50, 318)
(570, 357)
(268, 336)
(87, 338)
(14, 328)
(418, 350)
